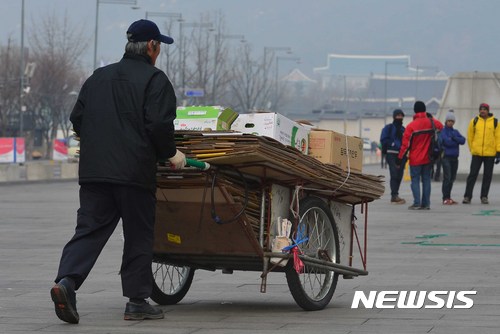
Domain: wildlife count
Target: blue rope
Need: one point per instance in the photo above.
(300, 238)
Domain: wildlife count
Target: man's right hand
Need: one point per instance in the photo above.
(497, 159)
(178, 161)
(398, 162)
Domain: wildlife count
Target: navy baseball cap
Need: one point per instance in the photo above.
(145, 30)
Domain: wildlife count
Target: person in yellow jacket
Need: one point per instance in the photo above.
(483, 137)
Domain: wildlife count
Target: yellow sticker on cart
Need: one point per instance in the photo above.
(176, 239)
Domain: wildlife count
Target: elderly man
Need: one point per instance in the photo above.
(124, 117)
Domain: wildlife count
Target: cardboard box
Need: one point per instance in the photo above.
(330, 147)
(276, 126)
(204, 118)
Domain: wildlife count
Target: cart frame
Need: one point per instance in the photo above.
(179, 255)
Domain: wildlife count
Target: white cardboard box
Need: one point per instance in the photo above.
(276, 126)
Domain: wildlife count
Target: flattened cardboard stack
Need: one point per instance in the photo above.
(188, 201)
(269, 160)
(194, 187)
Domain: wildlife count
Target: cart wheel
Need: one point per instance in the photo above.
(170, 283)
(313, 288)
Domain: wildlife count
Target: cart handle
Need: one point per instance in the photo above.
(197, 163)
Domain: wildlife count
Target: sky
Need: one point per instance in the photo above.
(453, 35)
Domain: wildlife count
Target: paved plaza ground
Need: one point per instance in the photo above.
(446, 248)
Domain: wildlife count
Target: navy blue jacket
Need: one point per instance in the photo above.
(389, 139)
(450, 141)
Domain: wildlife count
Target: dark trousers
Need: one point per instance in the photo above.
(475, 166)
(383, 160)
(101, 207)
(395, 173)
(436, 169)
(450, 167)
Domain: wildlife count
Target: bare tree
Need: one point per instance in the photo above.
(198, 74)
(221, 72)
(248, 85)
(56, 47)
(204, 61)
(9, 89)
(169, 56)
(267, 83)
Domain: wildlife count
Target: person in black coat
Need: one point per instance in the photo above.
(124, 117)
(390, 139)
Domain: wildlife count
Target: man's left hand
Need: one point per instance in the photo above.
(497, 159)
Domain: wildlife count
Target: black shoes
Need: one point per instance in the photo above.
(64, 298)
(484, 200)
(142, 311)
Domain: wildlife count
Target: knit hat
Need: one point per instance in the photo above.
(450, 116)
(484, 105)
(397, 112)
(419, 106)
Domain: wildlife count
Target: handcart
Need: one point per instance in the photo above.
(253, 214)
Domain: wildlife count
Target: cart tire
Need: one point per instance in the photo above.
(170, 283)
(313, 288)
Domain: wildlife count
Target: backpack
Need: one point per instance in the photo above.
(495, 121)
(436, 147)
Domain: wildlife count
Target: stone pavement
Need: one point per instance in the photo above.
(447, 248)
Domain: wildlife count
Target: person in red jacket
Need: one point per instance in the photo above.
(416, 145)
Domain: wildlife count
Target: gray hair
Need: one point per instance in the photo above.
(140, 48)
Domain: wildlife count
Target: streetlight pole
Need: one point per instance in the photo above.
(21, 70)
(418, 68)
(266, 64)
(276, 87)
(182, 57)
(385, 84)
(287, 49)
(114, 2)
(385, 94)
(345, 104)
(178, 16)
(217, 51)
(164, 14)
(240, 37)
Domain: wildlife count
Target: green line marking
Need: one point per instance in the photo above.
(463, 245)
(431, 236)
(487, 213)
(428, 237)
